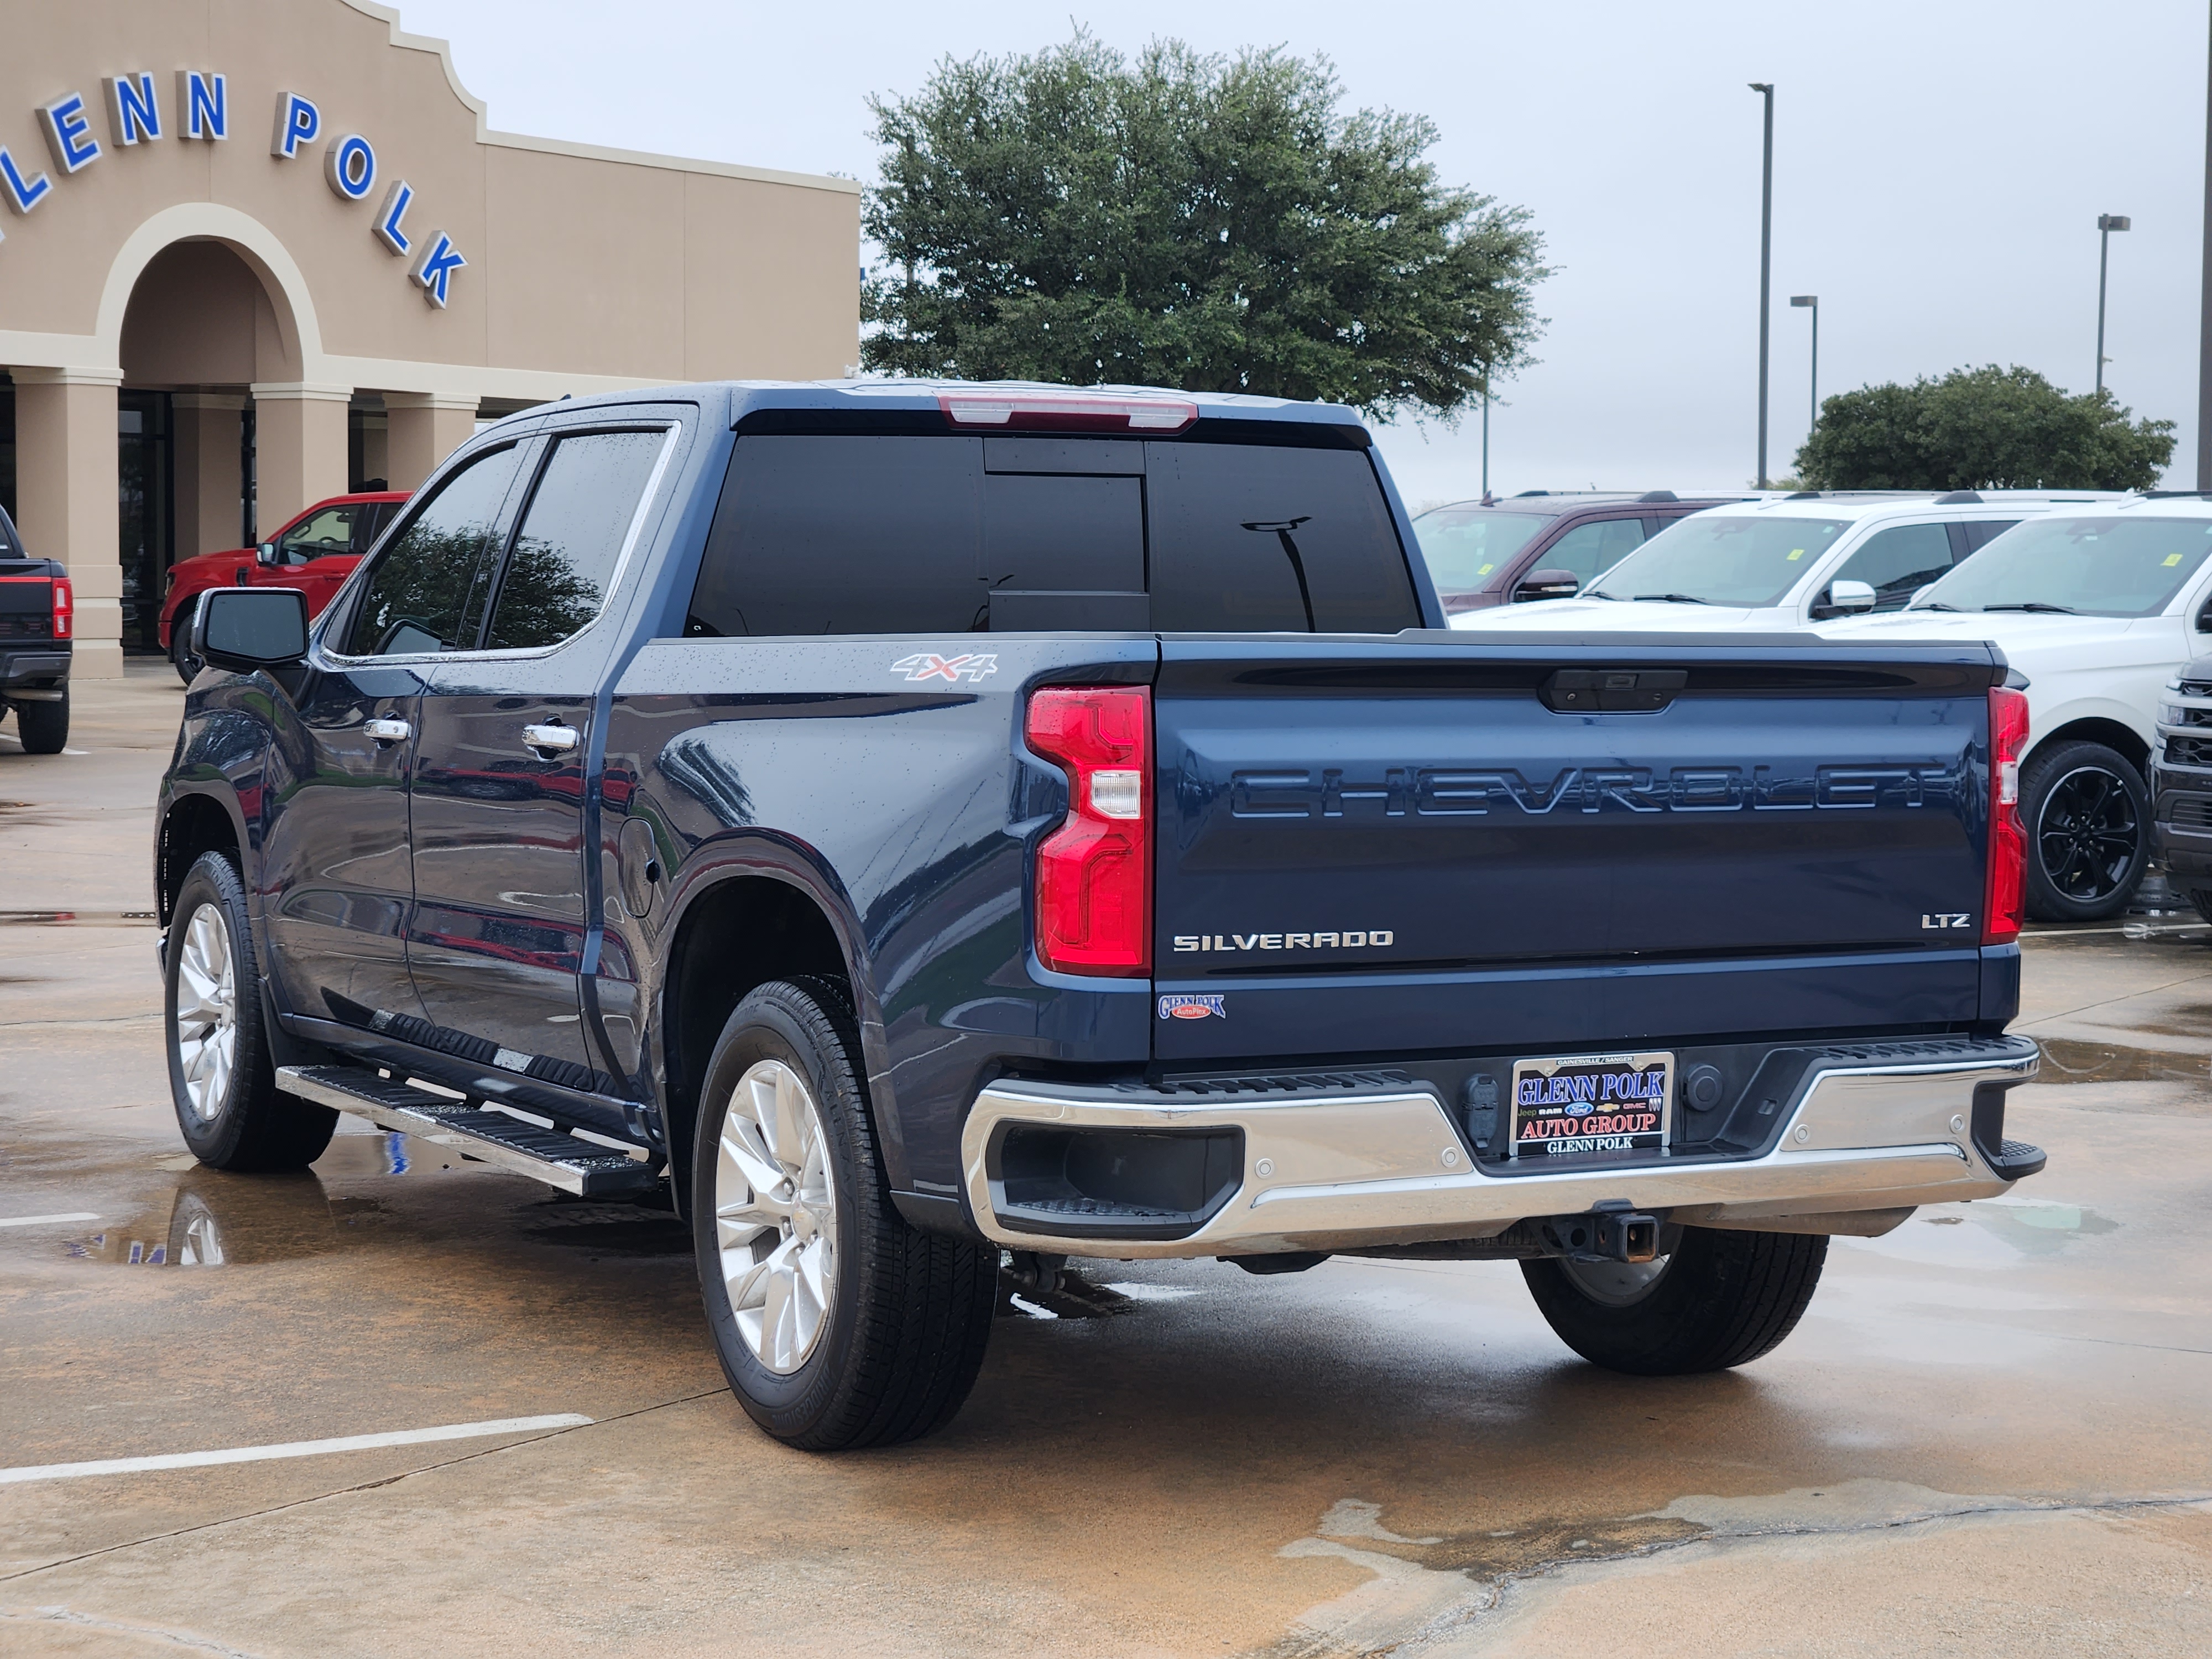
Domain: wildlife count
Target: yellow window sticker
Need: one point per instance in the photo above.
(2172, 560)
(1485, 569)
(1796, 554)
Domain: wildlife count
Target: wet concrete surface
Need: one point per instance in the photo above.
(1989, 1436)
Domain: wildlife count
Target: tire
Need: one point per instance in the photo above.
(223, 1077)
(42, 726)
(877, 1331)
(1721, 1298)
(2202, 900)
(180, 646)
(2087, 813)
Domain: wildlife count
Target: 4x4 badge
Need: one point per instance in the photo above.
(928, 665)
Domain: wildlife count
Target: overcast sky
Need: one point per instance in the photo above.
(1939, 169)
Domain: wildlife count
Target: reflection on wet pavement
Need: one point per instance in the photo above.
(59, 918)
(2068, 1060)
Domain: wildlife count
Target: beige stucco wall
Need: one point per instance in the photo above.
(585, 271)
(218, 267)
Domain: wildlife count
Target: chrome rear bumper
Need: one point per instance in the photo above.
(1377, 1167)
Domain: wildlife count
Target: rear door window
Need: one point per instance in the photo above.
(573, 534)
(1980, 532)
(839, 534)
(1253, 538)
(1591, 549)
(1898, 561)
(426, 592)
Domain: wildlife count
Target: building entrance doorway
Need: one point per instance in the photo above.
(145, 511)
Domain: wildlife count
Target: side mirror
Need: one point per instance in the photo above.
(267, 554)
(243, 629)
(1845, 597)
(1547, 585)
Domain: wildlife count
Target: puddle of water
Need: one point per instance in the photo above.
(2067, 1060)
(2037, 1228)
(1073, 1298)
(209, 1218)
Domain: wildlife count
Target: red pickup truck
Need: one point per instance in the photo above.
(315, 553)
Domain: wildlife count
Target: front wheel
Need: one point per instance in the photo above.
(1719, 1298)
(180, 648)
(42, 726)
(2088, 815)
(836, 1323)
(221, 1075)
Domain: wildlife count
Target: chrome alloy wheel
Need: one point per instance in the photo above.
(207, 1011)
(776, 1216)
(1615, 1284)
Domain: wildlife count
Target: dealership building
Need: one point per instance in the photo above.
(261, 252)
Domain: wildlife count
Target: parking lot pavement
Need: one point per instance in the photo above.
(1989, 1436)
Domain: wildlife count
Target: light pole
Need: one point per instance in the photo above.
(1485, 432)
(1814, 300)
(2106, 224)
(1765, 89)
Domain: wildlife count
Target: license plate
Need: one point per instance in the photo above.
(1591, 1103)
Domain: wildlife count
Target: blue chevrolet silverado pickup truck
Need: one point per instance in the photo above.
(897, 822)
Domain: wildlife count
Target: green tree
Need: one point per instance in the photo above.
(1213, 224)
(1975, 429)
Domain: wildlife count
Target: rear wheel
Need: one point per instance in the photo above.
(221, 1075)
(42, 726)
(1720, 1299)
(836, 1323)
(2088, 815)
(2202, 900)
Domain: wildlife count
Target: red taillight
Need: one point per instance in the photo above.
(64, 612)
(1013, 408)
(1094, 873)
(2007, 889)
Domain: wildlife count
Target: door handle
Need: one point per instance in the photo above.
(388, 731)
(559, 738)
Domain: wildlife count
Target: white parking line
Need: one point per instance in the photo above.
(47, 1220)
(292, 1448)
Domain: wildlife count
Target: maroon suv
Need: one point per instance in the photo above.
(1541, 544)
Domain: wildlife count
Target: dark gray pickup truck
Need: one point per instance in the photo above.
(901, 822)
(37, 623)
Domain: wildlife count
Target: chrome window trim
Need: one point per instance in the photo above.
(671, 430)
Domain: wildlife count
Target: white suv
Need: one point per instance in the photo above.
(2099, 608)
(1786, 562)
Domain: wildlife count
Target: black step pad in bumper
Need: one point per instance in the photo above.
(552, 1156)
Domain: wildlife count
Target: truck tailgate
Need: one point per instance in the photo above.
(1405, 846)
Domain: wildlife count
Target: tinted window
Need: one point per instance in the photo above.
(845, 535)
(330, 531)
(368, 523)
(1248, 537)
(2100, 566)
(1980, 532)
(1467, 547)
(1898, 563)
(572, 532)
(426, 590)
(1590, 550)
(1749, 561)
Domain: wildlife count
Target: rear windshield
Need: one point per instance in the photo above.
(819, 533)
(1727, 561)
(1467, 547)
(2094, 566)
